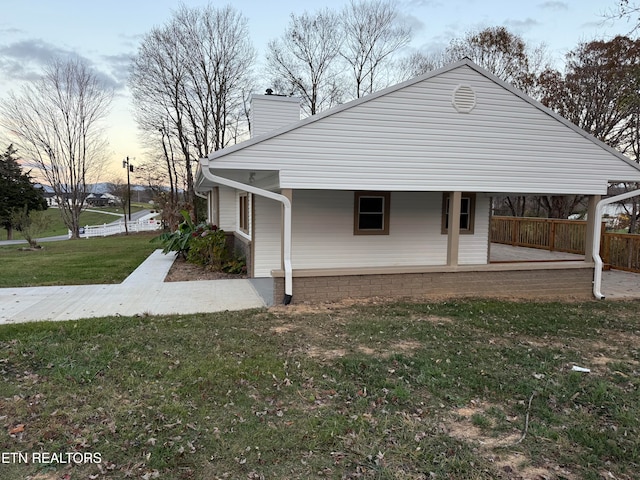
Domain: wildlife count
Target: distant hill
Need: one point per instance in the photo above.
(104, 187)
(96, 188)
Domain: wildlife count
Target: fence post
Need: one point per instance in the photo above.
(552, 235)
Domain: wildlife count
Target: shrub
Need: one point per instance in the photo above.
(208, 247)
(178, 241)
(203, 244)
(235, 265)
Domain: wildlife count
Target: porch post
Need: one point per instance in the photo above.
(591, 224)
(453, 229)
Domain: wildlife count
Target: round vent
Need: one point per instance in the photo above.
(464, 99)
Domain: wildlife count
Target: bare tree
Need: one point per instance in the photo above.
(122, 194)
(57, 122)
(628, 10)
(304, 61)
(599, 89)
(188, 80)
(503, 53)
(416, 64)
(599, 93)
(373, 32)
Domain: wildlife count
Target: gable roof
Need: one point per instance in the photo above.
(413, 136)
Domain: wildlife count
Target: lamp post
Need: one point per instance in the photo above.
(129, 167)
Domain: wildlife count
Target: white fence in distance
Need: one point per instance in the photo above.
(142, 225)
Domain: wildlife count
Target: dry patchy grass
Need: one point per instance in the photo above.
(470, 389)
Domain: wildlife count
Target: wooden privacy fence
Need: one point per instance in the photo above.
(618, 250)
(621, 251)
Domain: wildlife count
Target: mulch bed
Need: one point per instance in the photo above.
(183, 271)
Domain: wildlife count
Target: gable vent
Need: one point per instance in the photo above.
(464, 99)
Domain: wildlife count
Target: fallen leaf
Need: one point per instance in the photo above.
(17, 429)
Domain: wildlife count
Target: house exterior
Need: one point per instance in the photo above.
(389, 195)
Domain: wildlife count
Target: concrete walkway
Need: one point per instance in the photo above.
(144, 292)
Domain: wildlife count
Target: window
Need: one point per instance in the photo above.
(243, 203)
(467, 212)
(371, 213)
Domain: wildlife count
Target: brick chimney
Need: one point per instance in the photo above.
(270, 112)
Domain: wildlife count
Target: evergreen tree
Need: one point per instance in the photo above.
(17, 192)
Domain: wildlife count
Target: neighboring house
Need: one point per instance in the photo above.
(100, 199)
(389, 195)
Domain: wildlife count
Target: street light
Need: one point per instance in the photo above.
(129, 167)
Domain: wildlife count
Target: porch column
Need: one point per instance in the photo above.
(453, 229)
(285, 192)
(591, 227)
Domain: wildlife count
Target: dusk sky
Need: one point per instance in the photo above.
(106, 33)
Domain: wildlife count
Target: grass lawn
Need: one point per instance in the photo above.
(75, 262)
(452, 390)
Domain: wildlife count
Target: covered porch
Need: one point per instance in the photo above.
(501, 253)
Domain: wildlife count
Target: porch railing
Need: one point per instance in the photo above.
(618, 250)
(545, 233)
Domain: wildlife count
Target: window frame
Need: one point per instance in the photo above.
(243, 213)
(471, 197)
(386, 196)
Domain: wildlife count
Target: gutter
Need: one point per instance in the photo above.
(597, 274)
(286, 203)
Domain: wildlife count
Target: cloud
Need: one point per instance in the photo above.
(424, 3)
(522, 25)
(554, 6)
(25, 60)
(413, 22)
(119, 66)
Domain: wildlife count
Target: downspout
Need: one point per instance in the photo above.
(288, 275)
(597, 274)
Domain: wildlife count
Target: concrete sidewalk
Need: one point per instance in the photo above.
(144, 292)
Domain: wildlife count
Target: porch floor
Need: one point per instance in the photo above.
(508, 253)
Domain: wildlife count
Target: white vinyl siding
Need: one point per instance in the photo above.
(474, 249)
(227, 208)
(323, 232)
(412, 138)
(267, 243)
(270, 112)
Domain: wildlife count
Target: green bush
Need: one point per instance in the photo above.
(208, 247)
(180, 240)
(203, 244)
(235, 265)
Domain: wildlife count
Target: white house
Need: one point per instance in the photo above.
(389, 195)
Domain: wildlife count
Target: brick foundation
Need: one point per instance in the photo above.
(544, 284)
